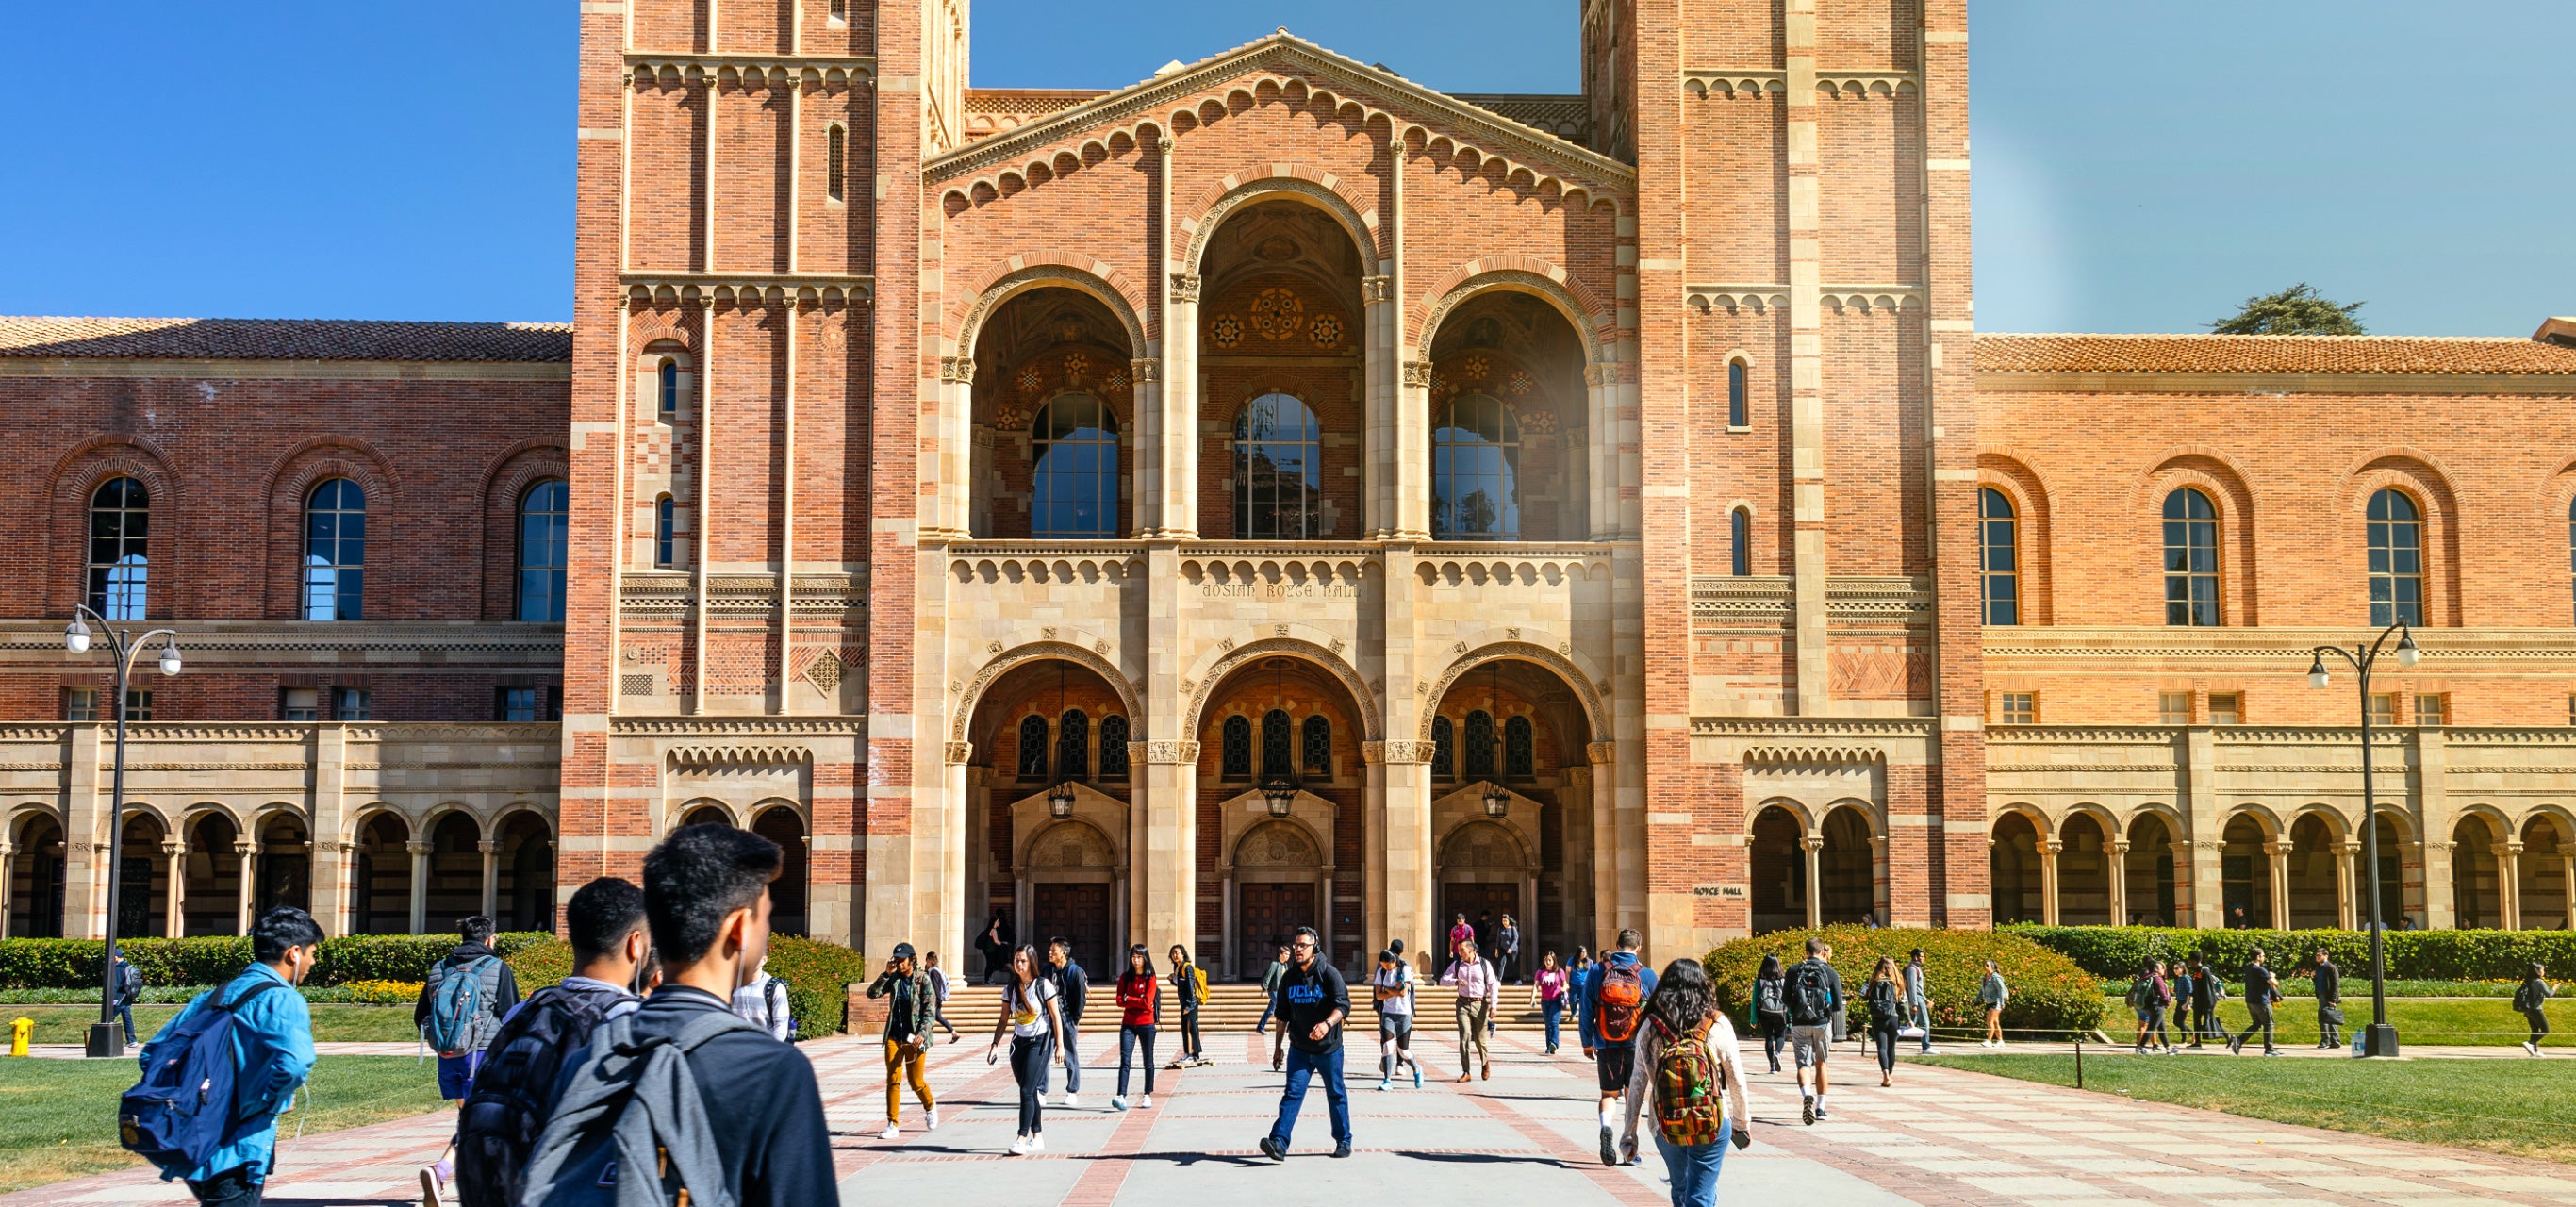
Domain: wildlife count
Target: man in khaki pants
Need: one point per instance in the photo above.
(1477, 988)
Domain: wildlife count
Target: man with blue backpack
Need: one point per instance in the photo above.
(217, 1075)
(462, 1004)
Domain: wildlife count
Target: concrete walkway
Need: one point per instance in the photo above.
(1941, 1137)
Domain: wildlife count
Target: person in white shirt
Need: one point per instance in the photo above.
(1392, 986)
(1477, 989)
(764, 1001)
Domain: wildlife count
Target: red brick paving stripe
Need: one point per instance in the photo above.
(1098, 1186)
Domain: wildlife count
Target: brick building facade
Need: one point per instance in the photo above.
(1276, 493)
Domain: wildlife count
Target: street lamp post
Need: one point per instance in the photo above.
(105, 1037)
(2380, 1038)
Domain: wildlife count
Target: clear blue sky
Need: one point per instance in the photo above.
(2138, 167)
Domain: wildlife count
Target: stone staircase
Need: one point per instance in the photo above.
(973, 1009)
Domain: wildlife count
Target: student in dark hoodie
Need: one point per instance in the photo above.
(497, 989)
(1313, 1001)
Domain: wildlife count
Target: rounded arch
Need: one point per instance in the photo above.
(138, 810)
(1234, 193)
(704, 810)
(2264, 819)
(75, 479)
(2172, 819)
(1537, 278)
(1299, 845)
(1796, 810)
(2229, 493)
(1058, 270)
(1090, 846)
(22, 816)
(1559, 661)
(2008, 473)
(2338, 827)
(1483, 843)
(1002, 663)
(440, 812)
(2102, 819)
(2426, 483)
(367, 814)
(2499, 828)
(2557, 816)
(2031, 815)
(1301, 649)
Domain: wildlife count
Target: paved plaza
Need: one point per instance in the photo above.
(1940, 1137)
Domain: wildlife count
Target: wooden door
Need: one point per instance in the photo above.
(1266, 915)
(1477, 901)
(1079, 912)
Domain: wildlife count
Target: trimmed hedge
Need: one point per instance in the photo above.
(215, 959)
(2050, 995)
(818, 976)
(2421, 955)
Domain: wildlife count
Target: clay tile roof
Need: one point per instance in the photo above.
(2269, 354)
(282, 339)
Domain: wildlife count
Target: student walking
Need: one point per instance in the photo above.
(1459, 932)
(1189, 988)
(1032, 1021)
(907, 1037)
(2147, 998)
(683, 1064)
(1548, 985)
(1688, 1063)
(1610, 1006)
(1815, 999)
(1313, 1001)
(1270, 989)
(764, 1004)
(514, 1094)
(271, 1054)
(1991, 996)
(1392, 988)
(995, 946)
(1073, 989)
(2160, 1006)
(2533, 1000)
(462, 1003)
(1771, 1008)
(1918, 1001)
(938, 993)
(1507, 951)
(2179, 990)
(1886, 1001)
(1478, 990)
(2262, 990)
(2329, 991)
(2207, 990)
(129, 989)
(1140, 998)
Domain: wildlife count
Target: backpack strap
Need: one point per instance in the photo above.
(234, 1006)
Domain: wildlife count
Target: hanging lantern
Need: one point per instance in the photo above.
(1497, 801)
(1060, 801)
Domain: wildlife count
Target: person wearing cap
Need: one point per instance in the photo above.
(907, 1036)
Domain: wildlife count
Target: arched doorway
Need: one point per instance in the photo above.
(704, 812)
(2083, 873)
(1069, 883)
(1049, 734)
(285, 863)
(211, 874)
(2153, 893)
(142, 880)
(455, 871)
(2013, 867)
(2548, 891)
(1510, 425)
(525, 896)
(1280, 351)
(2315, 898)
(1486, 872)
(1277, 883)
(1053, 415)
(1778, 870)
(1515, 727)
(1280, 736)
(2475, 889)
(36, 877)
(1846, 867)
(779, 822)
(2245, 875)
(381, 888)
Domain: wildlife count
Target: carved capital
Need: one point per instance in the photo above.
(1185, 287)
(1376, 290)
(2349, 846)
(419, 846)
(2276, 849)
(489, 846)
(174, 850)
(1601, 754)
(1146, 371)
(1417, 374)
(1397, 752)
(2050, 846)
(1600, 375)
(960, 753)
(1812, 842)
(2512, 846)
(1171, 753)
(1164, 144)
(957, 368)
(245, 847)
(2442, 848)
(2119, 846)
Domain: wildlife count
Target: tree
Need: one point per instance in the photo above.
(2297, 310)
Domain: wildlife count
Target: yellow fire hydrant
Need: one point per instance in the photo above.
(20, 1031)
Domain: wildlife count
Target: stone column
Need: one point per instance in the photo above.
(1373, 887)
(176, 853)
(2186, 912)
(1814, 845)
(2203, 828)
(952, 788)
(2276, 856)
(1170, 848)
(2440, 912)
(1145, 397)
(2508, 859)
(491, 849)
(86, 864)
(420, 850)
(1406, 863)
(2567, 881)
(2049, 913)
(1605, 839)
(246, 850)
(9, 886)
(2115, 858)
(1578, 868)
(1882, 889)
(2347, 898)
(327, 836)
(1181, 410)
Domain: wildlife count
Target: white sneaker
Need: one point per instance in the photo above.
(1037, 1143)
(2531, 1047)
(891, 1132)
(1020, 1147)
(1072, 1100)
(1148, 1103)
(934, 1119)
(1117, 1103)
(1383, 1085)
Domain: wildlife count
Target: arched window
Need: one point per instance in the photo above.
(1998, 556)
(669, 377)
(1480, 745)
(663, 550)
(119, 516)
(1073, 745)
(836, 153)
(1073, 452)
(1278, 471)
(1739, 409)
(1113, 747)
(1520, 755)
(1033, 747)
(335, 551)
(1238, 748)
(1475, 471)
(2396, 560)
(1319, 745)
(1278, 757)
(544, 517)
(2191, 559)
(1444, 753)
(1739, 535)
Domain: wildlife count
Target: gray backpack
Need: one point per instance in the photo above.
(632, 1108)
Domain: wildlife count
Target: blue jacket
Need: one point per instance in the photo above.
(273, 1053)
(1587, 997)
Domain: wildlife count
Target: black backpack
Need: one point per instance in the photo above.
(1766, 994)
(1810, 1003)
(514, 1090)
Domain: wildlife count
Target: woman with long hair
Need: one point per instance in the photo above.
(1140, 993)
(1548, 985)
(1185, 990)
(1771, 1007)
(1033, 1023)
(1686, 1059)
(1886, 1013)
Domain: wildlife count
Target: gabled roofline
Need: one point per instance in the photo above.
(1151, 96)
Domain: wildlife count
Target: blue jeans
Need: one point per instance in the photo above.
(456, 1074)
(125, 1010)
(1693, 1169)
(1548, 1010)
(1302, 1065)
(1923, 1019)
(1269, 1006)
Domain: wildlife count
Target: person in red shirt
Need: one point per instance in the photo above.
(1140, 998)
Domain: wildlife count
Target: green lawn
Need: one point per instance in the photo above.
(70, 1024)
(2476, 1022)
(2500, 1106)
(62, 1113)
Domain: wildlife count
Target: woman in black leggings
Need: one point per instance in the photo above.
(1770, 1010)
(1886, 1013)
(1030, 1018)
(1185, 987)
